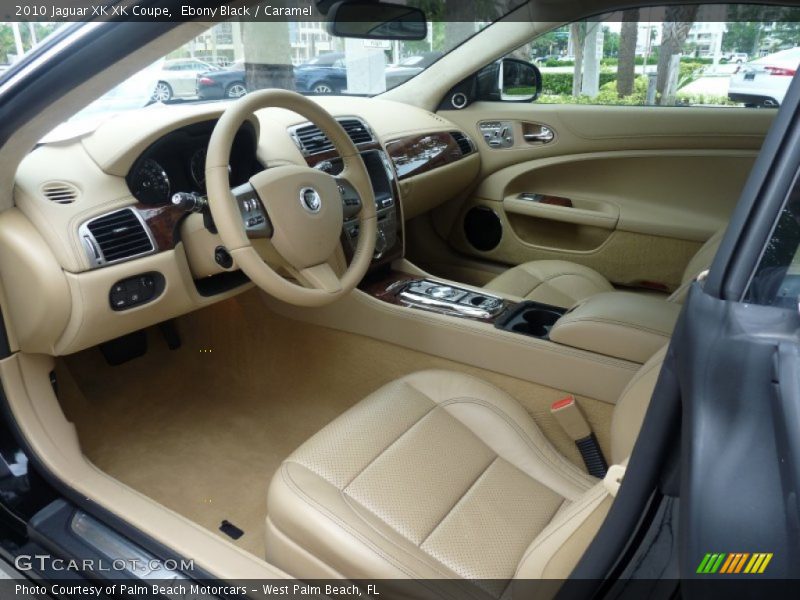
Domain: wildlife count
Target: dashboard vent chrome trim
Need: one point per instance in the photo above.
(464, 142)
(60, 192)
(311, 140)
(115, 237)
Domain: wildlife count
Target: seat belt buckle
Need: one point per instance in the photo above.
(568, 414)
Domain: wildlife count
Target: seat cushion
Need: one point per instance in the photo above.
(554, 282)
(437, 475)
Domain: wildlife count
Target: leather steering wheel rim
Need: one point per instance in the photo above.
(300, 235)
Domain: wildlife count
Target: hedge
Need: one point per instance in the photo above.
(608, 96)
(557, 84)
(638, 61)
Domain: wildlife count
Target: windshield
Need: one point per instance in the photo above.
(233, 58)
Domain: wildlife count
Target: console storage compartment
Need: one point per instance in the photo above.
(620, 324)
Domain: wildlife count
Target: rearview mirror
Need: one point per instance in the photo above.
(510, 80)
(376, 21)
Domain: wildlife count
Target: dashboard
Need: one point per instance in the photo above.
(177, 163)
(98, 239)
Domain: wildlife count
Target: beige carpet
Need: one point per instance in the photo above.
(202, 429)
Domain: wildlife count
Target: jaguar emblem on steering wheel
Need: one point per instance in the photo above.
(310, 199)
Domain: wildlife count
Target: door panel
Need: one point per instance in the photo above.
(638, 189)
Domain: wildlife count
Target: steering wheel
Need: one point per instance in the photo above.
(300, 209)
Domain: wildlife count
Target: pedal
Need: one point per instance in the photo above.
(170, 333)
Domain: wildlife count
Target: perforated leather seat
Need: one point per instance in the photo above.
(441, 475)
(563, 283)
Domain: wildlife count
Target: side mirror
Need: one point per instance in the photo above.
(510, 80)
(370, 20)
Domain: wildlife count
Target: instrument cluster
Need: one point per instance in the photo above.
(176, 163)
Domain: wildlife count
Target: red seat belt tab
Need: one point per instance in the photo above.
(571, 419)
(568, 414)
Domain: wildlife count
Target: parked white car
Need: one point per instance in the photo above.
(736, 57)
(178, 78)
(764, 81)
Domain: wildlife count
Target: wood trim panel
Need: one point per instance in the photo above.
(417, 154)
(163, 221)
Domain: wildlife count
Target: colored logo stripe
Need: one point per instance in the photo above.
(734, 562)
(710, 563)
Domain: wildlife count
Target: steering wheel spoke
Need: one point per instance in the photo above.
(322, 277)
(351, 201)
(254, 216)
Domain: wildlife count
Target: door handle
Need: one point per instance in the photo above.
(544, 135)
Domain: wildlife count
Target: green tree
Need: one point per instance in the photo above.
(611, 41)
(7, 45)
(460, 18)
(552, 42)
(742, 37)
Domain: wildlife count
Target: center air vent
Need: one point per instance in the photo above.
(115, 237)
(311, 139)
(60, 192)
(463, 142)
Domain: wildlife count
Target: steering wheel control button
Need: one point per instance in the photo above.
(135, 291)
(310, 200)
(255, 220)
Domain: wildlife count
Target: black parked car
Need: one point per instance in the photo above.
(325, 74)
(227, 83)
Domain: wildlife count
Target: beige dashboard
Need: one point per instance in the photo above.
(64, 184)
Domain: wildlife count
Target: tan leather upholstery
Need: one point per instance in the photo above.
(563, 283)
(619, 324)
(439, 475)
(554, 282)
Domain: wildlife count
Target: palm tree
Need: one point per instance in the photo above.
(577, 32)
(626, 64)
(268, 55)
(678, 22)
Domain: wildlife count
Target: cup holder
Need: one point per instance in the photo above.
(536, 322)
(532, 319)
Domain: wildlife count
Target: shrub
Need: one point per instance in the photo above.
(561, 83)
(608, 96)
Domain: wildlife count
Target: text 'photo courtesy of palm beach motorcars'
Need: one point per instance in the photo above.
(423, 299)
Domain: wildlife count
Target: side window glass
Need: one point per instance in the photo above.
(687, 55)
(777, 279)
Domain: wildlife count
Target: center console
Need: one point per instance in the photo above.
(448, 299)
(531, 318)
(430, 295)
(623, 325)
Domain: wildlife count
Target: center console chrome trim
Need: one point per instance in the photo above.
(460, 307)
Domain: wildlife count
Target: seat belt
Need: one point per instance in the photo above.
(572, 421)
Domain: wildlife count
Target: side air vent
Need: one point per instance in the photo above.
(464, 143)
(60, 192)
(311, 140)
(115, 237)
